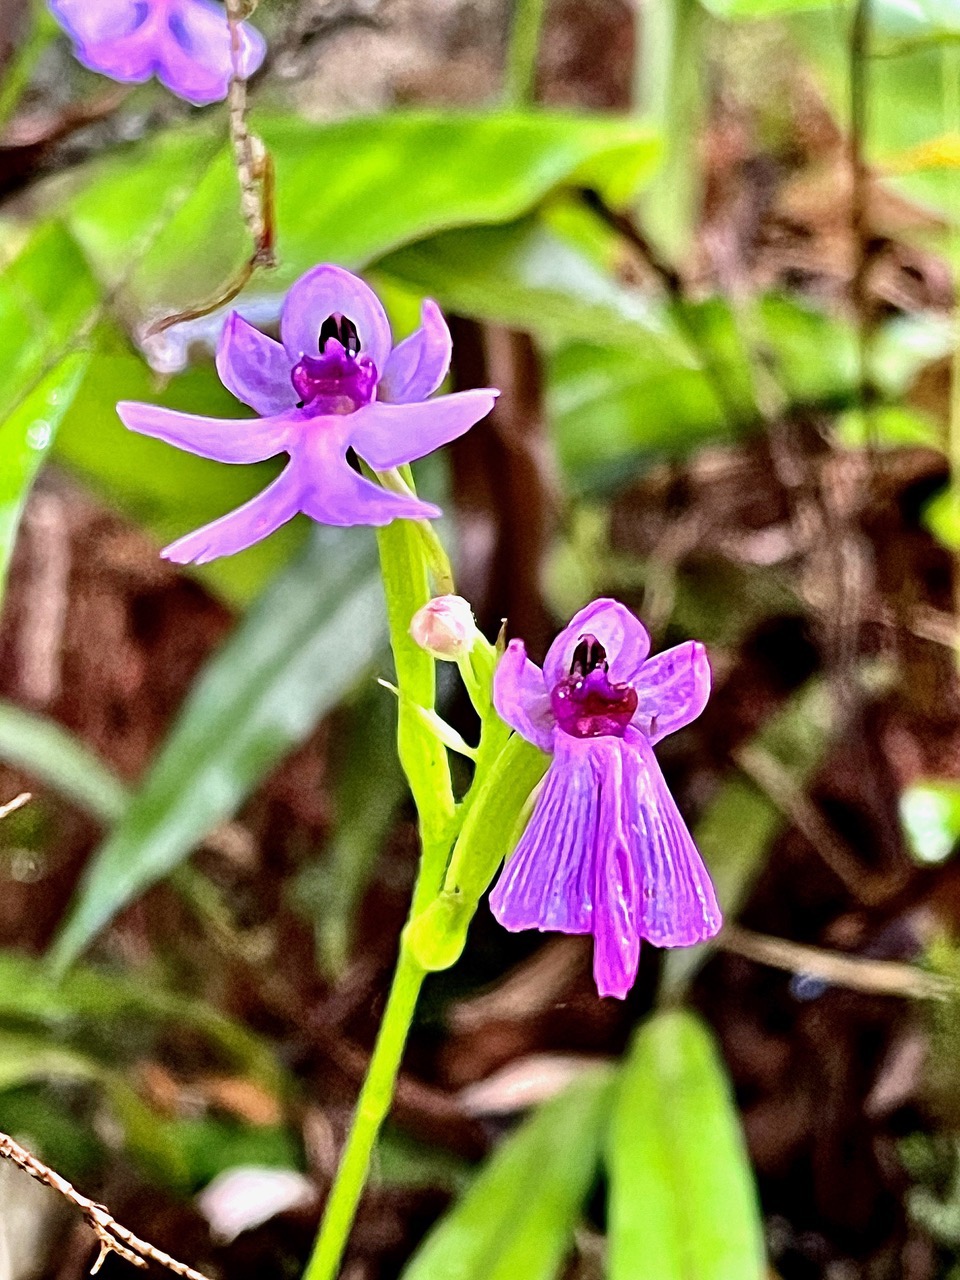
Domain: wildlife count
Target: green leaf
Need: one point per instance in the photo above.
(529, 277)
(682, 1204)
(518, 1217)
(47, 294)
(385, 181)
(30, 992)
(305, 643)
(25, 438)
(26, 1059)
(43, 750)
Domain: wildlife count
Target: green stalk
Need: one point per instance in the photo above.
(372, 1109)
(521, 71)
(406, 584)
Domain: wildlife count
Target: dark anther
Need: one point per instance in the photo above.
(588, 655)
(345, 332)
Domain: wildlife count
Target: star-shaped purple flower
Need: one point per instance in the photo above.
(186, 44)
(335, 383)
(606, 851)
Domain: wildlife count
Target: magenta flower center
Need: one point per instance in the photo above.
(339, 379)
(586, 704)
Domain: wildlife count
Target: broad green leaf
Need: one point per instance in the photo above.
(39, 747)
(518, 1217)
(165, 490)
(30, 992)
(682, 1203)
(529, 277)
(347, 192)
(306, 642)
(26, 1059)
(930, 813)
(609, 403)
(47, 295)
(25, 438)
(739, 825)
(734, 9)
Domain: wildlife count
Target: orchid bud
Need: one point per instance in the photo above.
(446, 628)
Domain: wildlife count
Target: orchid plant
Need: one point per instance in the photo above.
(605, 850)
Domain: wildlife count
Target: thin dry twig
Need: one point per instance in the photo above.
(16, 803)
(876, 977)
(255, 173)
(112, 1237)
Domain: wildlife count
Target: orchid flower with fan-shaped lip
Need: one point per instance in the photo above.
(186, 44)
(334, 383)
(605, 851)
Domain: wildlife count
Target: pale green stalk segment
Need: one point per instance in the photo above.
(406, 584)
(521, 69)
(493, 811)
(372, 1109)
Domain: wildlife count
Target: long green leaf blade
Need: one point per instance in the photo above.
(516, 1222)
(25, 438)
(310, 636)
(682, 1202)
(48, 753)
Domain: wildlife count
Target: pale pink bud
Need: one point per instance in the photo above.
(445, 627)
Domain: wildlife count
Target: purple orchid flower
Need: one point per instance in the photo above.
(186, 44)
(334, 383)
(606, 851)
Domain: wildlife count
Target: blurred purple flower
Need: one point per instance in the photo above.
(184, 43)
(334, 383)
(606, 851)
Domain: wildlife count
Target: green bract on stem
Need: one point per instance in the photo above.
(462, 844)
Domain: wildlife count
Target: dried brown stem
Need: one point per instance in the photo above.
(16, 803)
(255, 174)
(111, 1236)
(858, 973)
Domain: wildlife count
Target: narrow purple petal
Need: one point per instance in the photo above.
(327, 291)
(222, 439)
(673, 689)
(416, 368)
(387, 435)
(254, 368)
(616, 893)
(622, 635)
(548, 883)
(333, 493)
(240, 529)
(521, 697)
(678, 906)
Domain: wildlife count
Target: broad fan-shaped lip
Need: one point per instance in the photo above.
(325, 291)
(622, 634)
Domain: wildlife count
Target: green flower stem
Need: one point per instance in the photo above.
(406, 585)
(372, 1109)
(521, 69)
